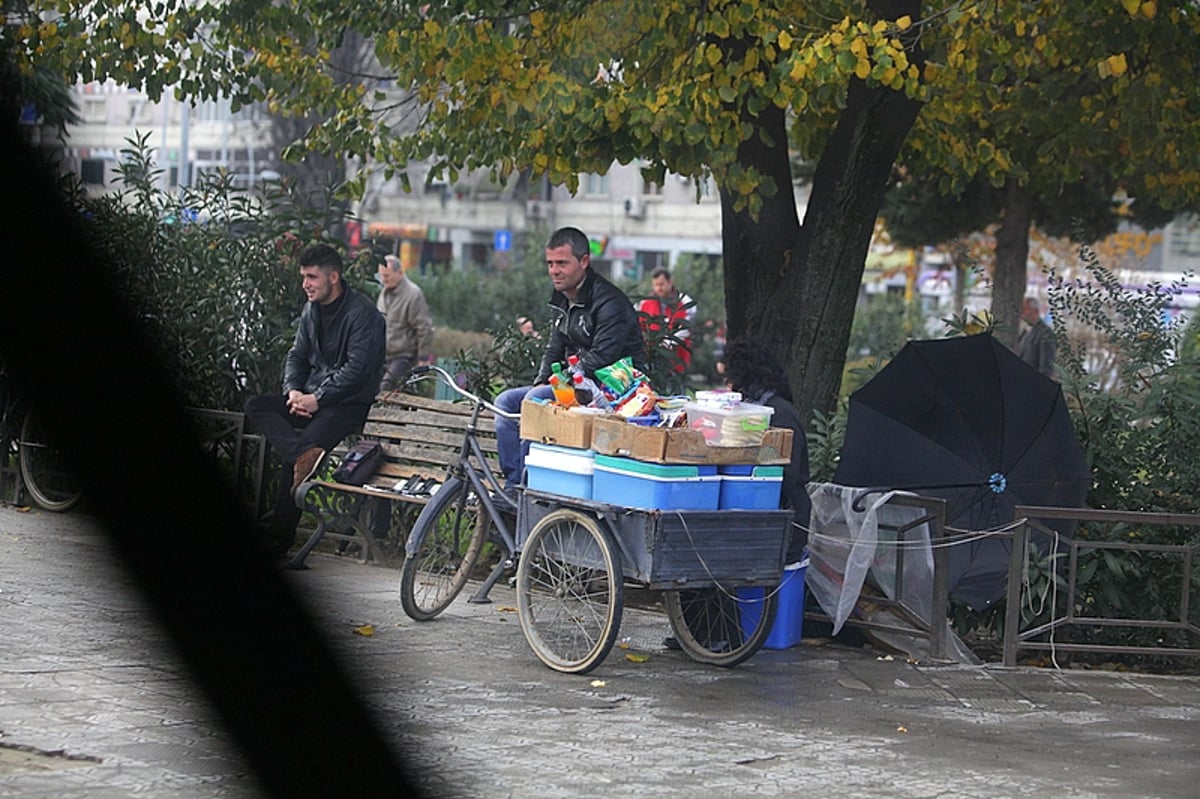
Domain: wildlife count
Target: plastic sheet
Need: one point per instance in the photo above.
(844, 548)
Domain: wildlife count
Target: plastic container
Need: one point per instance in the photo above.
(560, 470)
(638, 484)
(788, 628)
(741, 424)
(751, 487)
(563, 394)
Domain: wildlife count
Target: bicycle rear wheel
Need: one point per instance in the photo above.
(569, 584)
(442, 549)
(712, 627)
(51, 484)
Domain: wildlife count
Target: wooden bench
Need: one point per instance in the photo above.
(421, 438)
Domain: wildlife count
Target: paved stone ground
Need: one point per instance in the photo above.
(93, 704)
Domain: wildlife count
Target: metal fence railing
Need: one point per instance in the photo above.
(1069, 612)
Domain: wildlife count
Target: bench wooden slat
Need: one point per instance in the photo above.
(395, 414)
(421, 437)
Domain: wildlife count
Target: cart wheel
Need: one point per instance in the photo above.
(712, 627)
(442, 549)
(569, 592)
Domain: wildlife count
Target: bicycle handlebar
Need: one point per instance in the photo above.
(421, 372)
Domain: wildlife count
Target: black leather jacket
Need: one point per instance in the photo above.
(345, 368)
(600, 326)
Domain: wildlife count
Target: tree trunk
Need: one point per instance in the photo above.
(795, 287)
(1010, 275)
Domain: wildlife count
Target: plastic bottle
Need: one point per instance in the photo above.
(573, 366)
(563, 394)
(587, 392)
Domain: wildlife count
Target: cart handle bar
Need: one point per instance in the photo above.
(420, 373)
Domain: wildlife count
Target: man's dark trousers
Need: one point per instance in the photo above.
(290, 436)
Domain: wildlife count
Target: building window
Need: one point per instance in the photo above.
(595, 185)
(94, 109)
(91, 171)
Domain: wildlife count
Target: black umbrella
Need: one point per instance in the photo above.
(966, 420)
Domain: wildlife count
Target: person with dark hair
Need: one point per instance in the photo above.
(752, 371)
(591, 318)
(667, 316)
(330, 378)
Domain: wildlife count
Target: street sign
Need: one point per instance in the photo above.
(503, 240)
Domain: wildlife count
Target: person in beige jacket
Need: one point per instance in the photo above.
(409, 325)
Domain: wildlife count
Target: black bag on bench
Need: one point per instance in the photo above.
(360, 463)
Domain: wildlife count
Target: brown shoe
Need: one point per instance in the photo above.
(306, 466)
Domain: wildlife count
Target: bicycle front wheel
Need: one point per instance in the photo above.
(442, 549)
(569, 592)
(713, 627)
(51, 484)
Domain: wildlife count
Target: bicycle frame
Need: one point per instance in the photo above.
(472, 467)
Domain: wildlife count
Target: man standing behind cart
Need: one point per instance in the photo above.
(591, 318)
(752, 371)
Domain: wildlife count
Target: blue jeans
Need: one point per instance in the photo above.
(511, 448)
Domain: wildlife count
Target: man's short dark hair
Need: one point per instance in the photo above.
(661, 271)
(574, 237)
(326, 258)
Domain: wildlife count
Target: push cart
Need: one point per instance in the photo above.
(718, 570)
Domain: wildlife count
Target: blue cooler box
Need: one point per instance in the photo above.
(751, 487)
(789, 615)
(560, 470)
(639, 484)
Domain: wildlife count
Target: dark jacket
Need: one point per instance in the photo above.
(600, 326)
(346, 367)
(1036, 346)
(794, 492)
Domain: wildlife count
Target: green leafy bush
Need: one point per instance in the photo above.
(211, 272)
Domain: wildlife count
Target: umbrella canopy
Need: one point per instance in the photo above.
(966, 420)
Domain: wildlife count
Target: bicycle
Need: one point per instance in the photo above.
(577, 557)
(448, 537)
(39, 464)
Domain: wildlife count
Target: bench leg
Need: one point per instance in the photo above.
(297, 560)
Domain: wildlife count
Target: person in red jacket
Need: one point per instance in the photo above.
(666, 318)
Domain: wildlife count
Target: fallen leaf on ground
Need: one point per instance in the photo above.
(367, 630)
(598, 683)
(636, 657)
(902, 728)
(506, 609)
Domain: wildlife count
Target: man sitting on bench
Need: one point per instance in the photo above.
(330, 378)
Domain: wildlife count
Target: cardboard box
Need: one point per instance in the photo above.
(612, 435)
(547, 423)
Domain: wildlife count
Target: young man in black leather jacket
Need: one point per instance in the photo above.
(330, 378)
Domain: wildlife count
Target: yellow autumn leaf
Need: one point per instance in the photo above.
(1117, 64)
(904, 23)
(366, 630)
(506, 609)
(636, 657)
(785, 40)
(1149, 10)
(597, 683)
(862, 69)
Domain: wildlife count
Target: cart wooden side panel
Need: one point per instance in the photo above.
(672, 550)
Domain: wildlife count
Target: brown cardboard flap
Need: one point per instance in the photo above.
(547, 423)
(612, 435)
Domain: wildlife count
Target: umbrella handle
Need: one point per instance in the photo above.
(857, 505)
